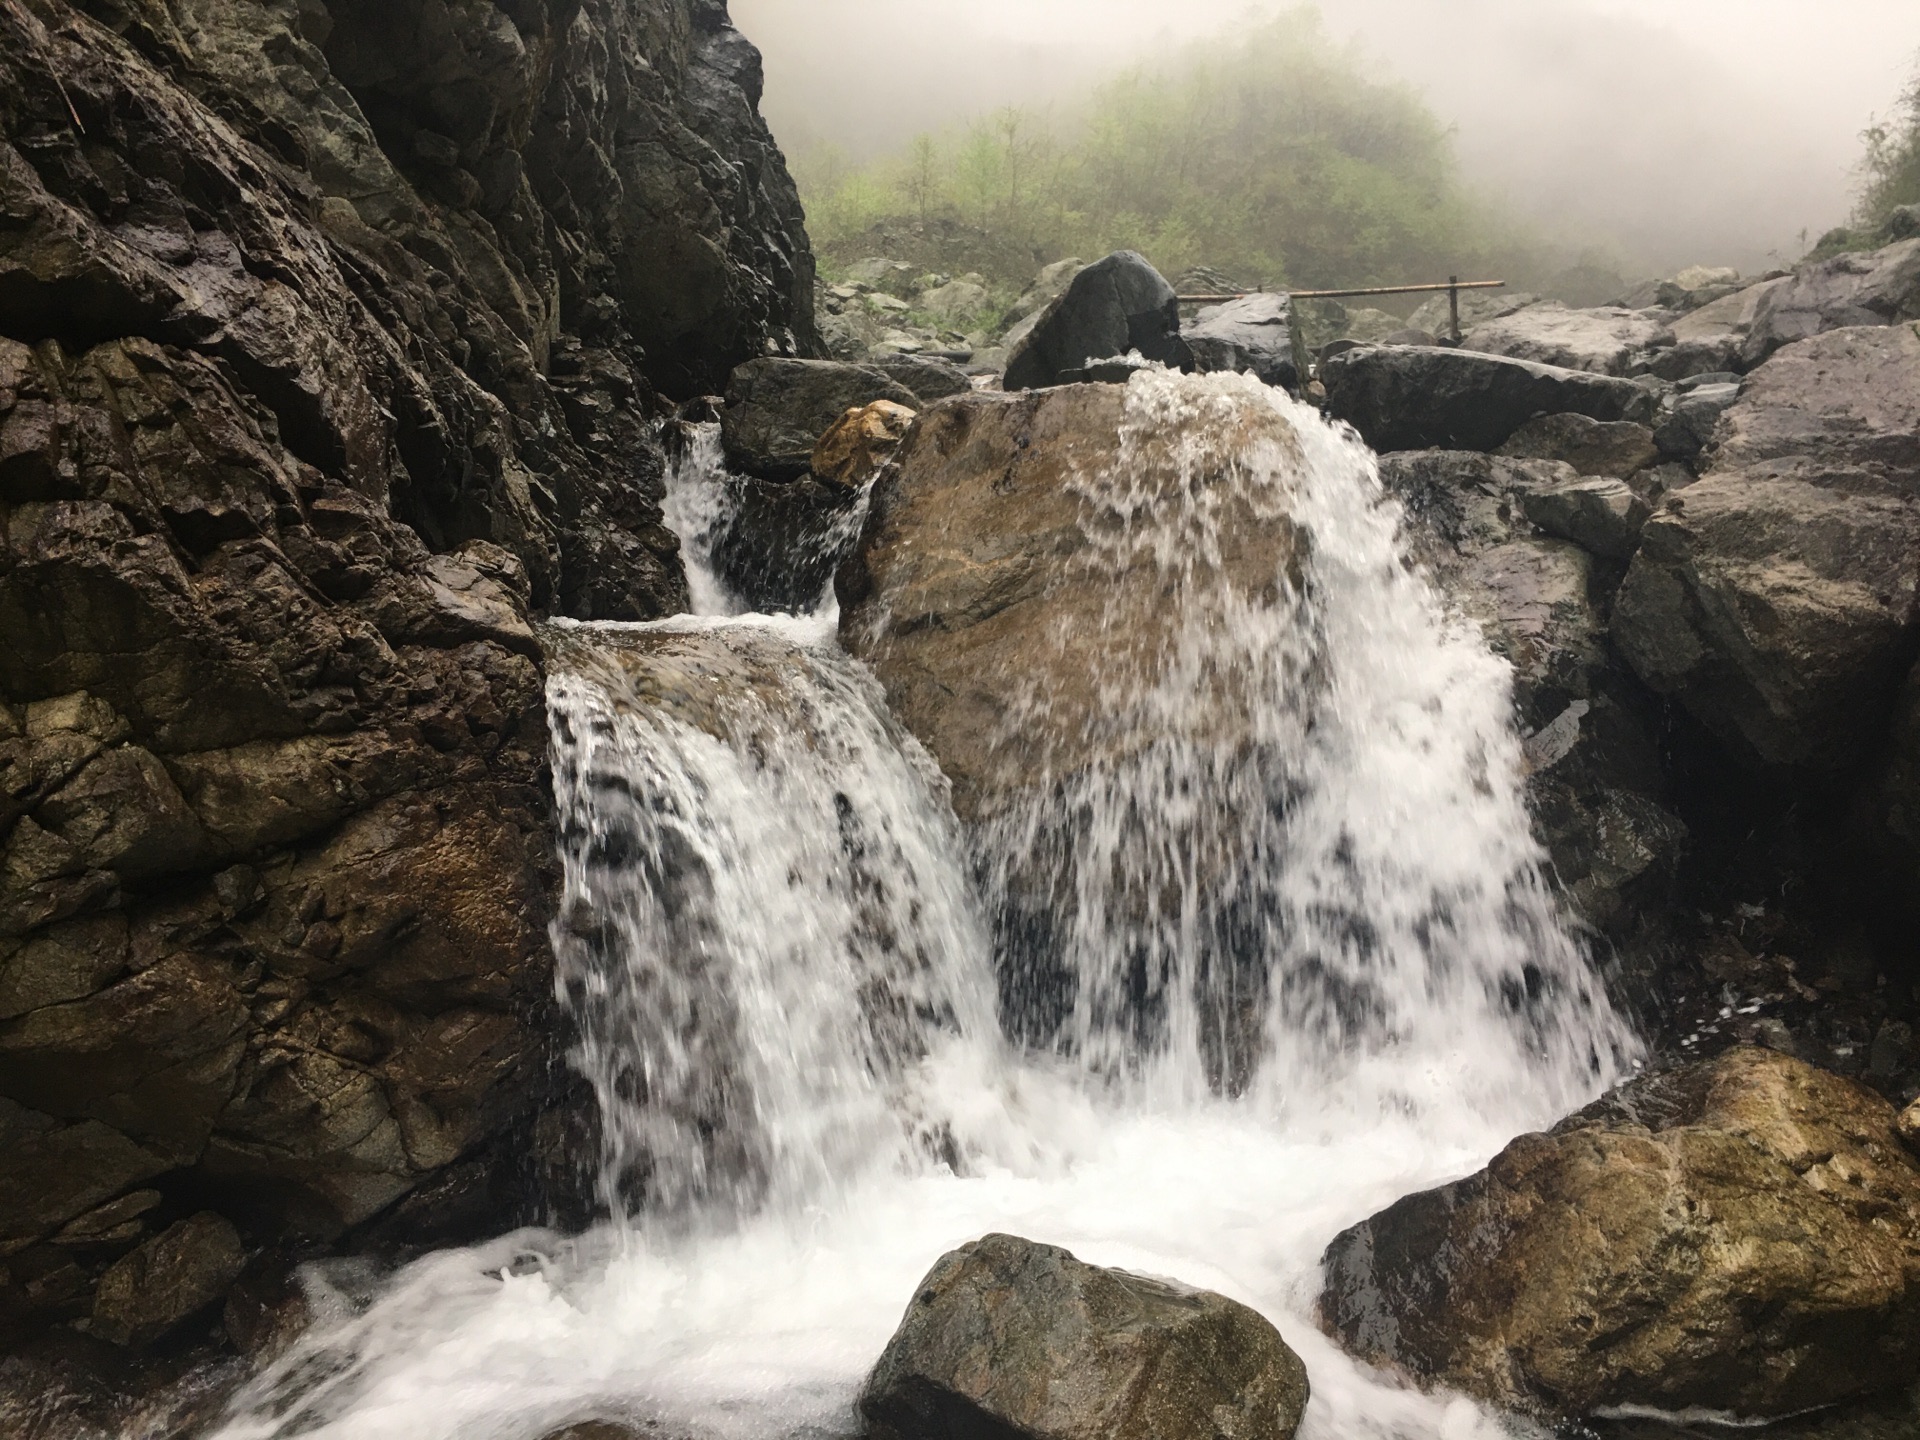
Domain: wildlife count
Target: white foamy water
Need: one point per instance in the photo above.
(777, 942)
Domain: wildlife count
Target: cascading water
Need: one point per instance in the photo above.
(1309, 965)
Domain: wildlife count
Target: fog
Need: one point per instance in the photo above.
(1669, 131)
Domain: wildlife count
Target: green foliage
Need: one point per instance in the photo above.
(1891, 168)
(1276, 158)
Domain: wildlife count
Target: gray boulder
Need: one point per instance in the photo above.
(1688, 428)
(1776, 598)
(1408, 397)
(929, 379)
(1113, 307)
(1006, 1338)
(1252, 334)
(1606, 341)
(1477, 307)
(1713, 337)
(776, 409)
(1602, 516)
(1879, 287)
(1593, 447)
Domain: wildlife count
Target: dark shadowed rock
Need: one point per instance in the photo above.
(927, 378)
(1593, 447)
(1602, 516)
(777, 410)
(168, 1280)
(784, 542)
(1739, 1236)
(1113, 307)
(1429, 397)
(1252, 334)
(1688, 430)
(1879, 287)
(1776, 598)
(1010, 1338)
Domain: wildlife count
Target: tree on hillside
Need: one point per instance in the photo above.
(1891, 168)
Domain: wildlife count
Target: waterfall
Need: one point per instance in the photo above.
(1294, 975)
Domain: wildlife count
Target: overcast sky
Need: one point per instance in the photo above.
(1684, 131)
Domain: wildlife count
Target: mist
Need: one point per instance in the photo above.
(1716, 132)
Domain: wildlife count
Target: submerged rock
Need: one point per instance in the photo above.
(1011, 1338)
(1740, 1236)
(1253, 334)
(1416, 397)
(1113, 307)
(1776, 598)
(777, 410)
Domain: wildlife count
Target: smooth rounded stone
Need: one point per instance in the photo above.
(1114, 307)
(852, 452)
(777, 409)
(1593, 447)
(1602, 516)
(1437, 398)
(984, 578)
(168, 1280)
(1009, 1338)
(954, 301)
(1738, 1236)
(879, 273)
(1253, 334)
(1605, 341)
(1776, 597)
(1880, 287)
(928, 378)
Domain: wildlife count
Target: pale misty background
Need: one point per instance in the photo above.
(1671, 131)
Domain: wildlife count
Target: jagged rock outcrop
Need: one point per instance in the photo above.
(1418, 397)
(1776, 599)
(1740, 1236)
(330, 336)
(1012, 1338)
(1252, 334)
(1114, 307)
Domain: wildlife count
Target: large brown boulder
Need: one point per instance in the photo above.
(1776, 599)
(1011, 1338)
(1740, 1236)
(984, 590)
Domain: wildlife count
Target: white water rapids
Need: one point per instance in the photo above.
(778, 943)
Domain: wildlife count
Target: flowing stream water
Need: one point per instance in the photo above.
(1307, 974)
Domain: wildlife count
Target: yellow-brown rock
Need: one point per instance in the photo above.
(861, 441)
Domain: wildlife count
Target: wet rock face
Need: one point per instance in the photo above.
(329, 339)
(1607, 341)
(777, 410)
(1742, 1236)
(1417, 397)
(1252, 334)
(982, 590)
(1776, 598)
(1011, 1338)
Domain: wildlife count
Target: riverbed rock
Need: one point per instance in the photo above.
(1416, 397)
(1477, 307)
(1112, 308)
(1593, 447)
(1253, 334)
(929, 379)
(1739, 1236)
(778, 409)
(1776, 599)
(1605, 341)
(1713, 338)
(980, 588)
(1599, 800)
(1878, 287)
(330, 354)
(1012, 1338)
(860, 442)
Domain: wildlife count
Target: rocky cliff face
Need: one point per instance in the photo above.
(333, 337)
